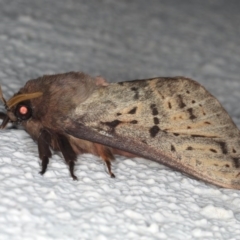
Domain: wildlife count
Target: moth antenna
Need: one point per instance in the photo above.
(2, 98)
(22, 97)
(5, 119)
(2, 115)
(4, 122)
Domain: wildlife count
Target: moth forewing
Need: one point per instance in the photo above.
(180, 123)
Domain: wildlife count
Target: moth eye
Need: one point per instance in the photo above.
(23, 112)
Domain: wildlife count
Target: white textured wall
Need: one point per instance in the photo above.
(120, 40)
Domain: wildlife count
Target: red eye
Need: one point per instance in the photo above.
(23, 112)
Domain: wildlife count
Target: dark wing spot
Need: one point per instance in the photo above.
(236, 162)
(161, 94)
(212, 150)
(134, 122)
(180, 102)
(207, 123)
(138, 82)
(154, 109)
(154, 131)
(154, 112)
(193, 101)
(188, 127)
(133, 111)
(198, 162)
(189, 148)
(152, 106)
(176, 134)
(234, 151)
(156, 120)
(169, 105)
(187, 92)
(192, 116)
(195, 135)
(227, 165)
(136, 95)
(112, 124)
(223, 146)
(173, 148)
(118, 114)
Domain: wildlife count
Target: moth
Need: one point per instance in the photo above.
(171, 120)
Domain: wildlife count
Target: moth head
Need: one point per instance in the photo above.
(18, 107)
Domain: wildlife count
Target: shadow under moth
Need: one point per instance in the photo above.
(171, 120)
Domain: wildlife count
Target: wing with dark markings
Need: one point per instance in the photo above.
(174, 121)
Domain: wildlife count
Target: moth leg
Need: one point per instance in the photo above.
(2, 115)
(44, 151)
(68, 153)
(108, 163)
(106, 154)
(5, 119)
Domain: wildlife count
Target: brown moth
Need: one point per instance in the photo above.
(174, 121)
